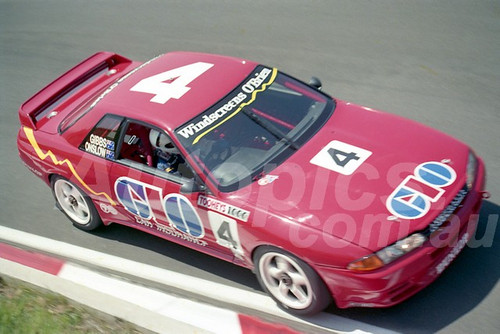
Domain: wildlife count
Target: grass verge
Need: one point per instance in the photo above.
(27, 309)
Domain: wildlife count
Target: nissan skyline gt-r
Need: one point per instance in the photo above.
(323, 199)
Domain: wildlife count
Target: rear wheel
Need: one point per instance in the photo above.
(293, 284)
(75, 204)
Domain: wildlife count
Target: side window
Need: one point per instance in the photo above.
(154, 150)
(135, 145)
(102, 140)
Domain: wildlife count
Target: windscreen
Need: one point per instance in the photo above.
(254, 128)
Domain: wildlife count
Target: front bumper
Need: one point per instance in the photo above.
(406, 276)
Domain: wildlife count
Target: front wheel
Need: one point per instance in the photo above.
(293, 284)
(75, 204)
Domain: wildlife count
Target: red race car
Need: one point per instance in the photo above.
(324, 199)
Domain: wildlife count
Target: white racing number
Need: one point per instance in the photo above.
(341, 157)
(171, 84)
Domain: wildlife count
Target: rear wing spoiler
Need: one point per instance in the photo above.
(56, 92)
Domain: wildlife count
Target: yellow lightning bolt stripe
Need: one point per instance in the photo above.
(43, 156)
(254, 94)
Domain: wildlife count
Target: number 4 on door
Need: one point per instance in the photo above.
(225, 230)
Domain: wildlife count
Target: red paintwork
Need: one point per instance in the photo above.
(363, 194)
(206, 90)
(326, 218)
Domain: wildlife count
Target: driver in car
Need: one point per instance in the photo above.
(166, 155)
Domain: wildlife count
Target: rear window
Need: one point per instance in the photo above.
(79, 112)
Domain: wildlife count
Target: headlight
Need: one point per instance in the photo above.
(388, 254)
(471, 170)
(394, 251)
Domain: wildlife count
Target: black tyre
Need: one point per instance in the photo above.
(293, 284)
(75, 204)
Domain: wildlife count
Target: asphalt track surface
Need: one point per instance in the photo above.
(436, 62)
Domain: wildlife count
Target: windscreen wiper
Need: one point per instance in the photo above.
(277, 133)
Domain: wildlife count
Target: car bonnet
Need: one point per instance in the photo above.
(362, 174)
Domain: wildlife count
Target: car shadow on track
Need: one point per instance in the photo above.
(209, 265)
(461, 287)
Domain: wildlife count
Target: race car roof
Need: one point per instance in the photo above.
(191, 88)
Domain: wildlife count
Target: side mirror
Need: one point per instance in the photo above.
(192, 186)
(315, 82)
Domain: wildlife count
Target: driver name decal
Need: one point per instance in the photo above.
(100, 146)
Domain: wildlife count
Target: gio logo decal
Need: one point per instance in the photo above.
(181, 214)
(132, 194)
(137, 198)
(413, 197)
